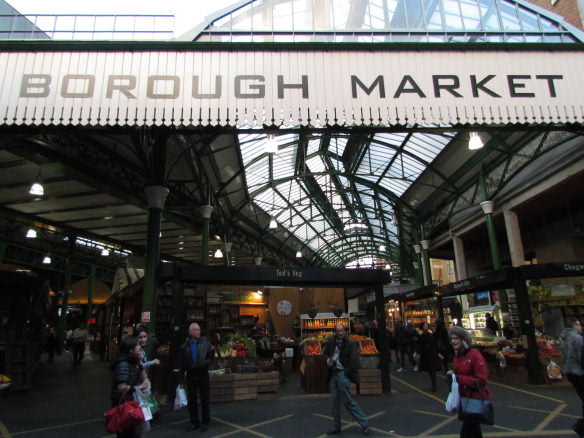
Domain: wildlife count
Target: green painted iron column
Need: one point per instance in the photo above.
(156, 196)
(419, 264)
(534, 365)
(426, 260)
(206, 211)
(488, 208)
(90, 292)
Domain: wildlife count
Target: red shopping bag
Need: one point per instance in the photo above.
(124, 417)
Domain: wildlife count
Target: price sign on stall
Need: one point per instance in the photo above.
(145, 317)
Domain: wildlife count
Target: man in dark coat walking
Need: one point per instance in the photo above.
(343, 363)
(196, 355)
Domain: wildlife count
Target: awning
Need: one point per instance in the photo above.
(290, 88)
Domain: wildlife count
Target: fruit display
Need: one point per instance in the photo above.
(250, 344)
(367, 347)
(4, 379)
(549, 350)
(369, 350)
(313, 350)
(312, 347)
(238, 346)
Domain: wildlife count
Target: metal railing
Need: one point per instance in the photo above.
(104, 27)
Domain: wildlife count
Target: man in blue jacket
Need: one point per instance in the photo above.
(196, 356)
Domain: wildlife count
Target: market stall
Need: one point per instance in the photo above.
(314, 370)
(275, 298)
(237, 373)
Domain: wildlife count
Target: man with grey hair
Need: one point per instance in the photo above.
(196, 355)
(343, 362)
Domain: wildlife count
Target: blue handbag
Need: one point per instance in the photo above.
(474, 410)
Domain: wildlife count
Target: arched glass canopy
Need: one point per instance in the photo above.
(375, 21)
(343, 196)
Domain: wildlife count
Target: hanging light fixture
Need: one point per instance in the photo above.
(36, 189)
(218, 254)
(298, 255)
(105, 252)
(273, 223)
(382, 247)
(475, 141)
(31, 234)
(47, 260)
(271, 145)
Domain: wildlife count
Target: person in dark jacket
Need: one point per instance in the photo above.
(471, 370)
(196, 356)
(571, 344)
(342, 359)
(443, 344)
(127, 376)
(427, 350)
(406, 337)
(491, 325)
(52, 343)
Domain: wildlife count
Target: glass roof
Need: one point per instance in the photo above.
(336, 193)
(508, 21)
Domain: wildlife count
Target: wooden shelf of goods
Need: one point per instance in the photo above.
(321, 325)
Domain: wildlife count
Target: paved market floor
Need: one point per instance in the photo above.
(67, 402)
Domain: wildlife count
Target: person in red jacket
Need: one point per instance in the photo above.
(470, 368)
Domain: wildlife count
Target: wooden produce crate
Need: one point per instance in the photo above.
(245, 386)
(314, 375)
(312, 348)
(369, 382)
(221, 388)
(367, 347)
(268, 382)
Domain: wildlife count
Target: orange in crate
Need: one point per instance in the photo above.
(312, 348)
(368, 347)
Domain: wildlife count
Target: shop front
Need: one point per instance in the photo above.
(265, 324)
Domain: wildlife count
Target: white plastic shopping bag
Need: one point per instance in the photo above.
(141, 396)
(180, 399)
(453, 399)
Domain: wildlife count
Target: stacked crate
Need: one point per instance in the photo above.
(369, 382)
(268, 385)
(221, 388)
(268, 382)
(245, 386)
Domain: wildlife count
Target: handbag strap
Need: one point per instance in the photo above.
(478, 385)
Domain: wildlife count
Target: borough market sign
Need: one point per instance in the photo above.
(253, 88)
